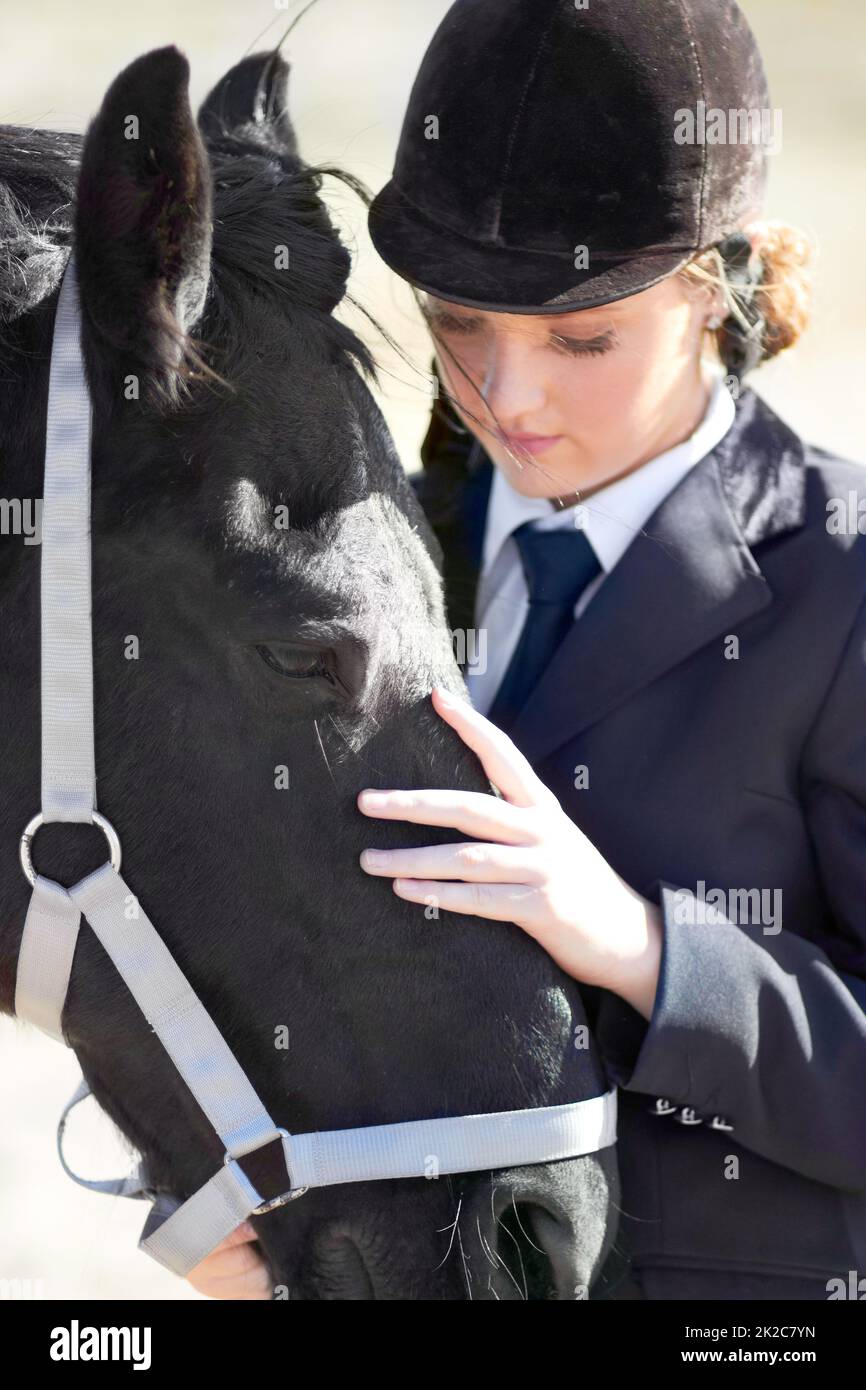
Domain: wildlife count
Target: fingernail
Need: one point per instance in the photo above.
(372, 798)
(372, 857)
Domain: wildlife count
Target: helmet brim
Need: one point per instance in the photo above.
(498, 278)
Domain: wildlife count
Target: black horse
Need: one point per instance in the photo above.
(268, 623)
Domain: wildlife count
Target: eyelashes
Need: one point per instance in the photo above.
(451, 326)
(584, 347)
(447, 323)
(296, 663)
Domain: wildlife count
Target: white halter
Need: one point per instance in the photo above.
(179, 1235)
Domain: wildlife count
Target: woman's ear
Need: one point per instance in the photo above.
(707, 303)
(143, 219)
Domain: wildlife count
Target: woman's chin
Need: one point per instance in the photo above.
(536, 477)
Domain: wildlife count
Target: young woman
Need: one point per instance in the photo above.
(661, 591)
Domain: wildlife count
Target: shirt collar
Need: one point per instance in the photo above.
(612, 516)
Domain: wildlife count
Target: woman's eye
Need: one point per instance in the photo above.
(299, 663)
(584, 347)
(447, 323)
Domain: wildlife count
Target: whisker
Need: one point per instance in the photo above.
(324, 754)
(523, 1229)
(466, 1268)
(359, 757)
(494, 1259)
(524, 1291)
(440, 1229)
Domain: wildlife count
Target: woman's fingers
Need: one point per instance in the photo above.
(239, 1236)
(471, 862)
(498, 902)
(501, 759)
(478, 814)
(234, 1269)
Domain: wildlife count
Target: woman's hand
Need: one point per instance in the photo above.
(234, 1269)
(531, 865)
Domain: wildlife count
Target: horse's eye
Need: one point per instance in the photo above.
(299, 663)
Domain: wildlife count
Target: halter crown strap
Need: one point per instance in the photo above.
(179, 1234)
(68, 767)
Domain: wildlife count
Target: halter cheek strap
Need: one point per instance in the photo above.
(180, 1234)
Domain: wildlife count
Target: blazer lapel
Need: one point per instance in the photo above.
(684, 581)
(689, 578)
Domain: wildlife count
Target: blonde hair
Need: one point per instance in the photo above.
(783, 296)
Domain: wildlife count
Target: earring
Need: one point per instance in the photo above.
(714, 322)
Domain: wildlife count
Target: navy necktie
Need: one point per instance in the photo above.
(558, 565)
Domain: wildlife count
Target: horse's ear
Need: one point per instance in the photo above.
(143, 218)
(251, 102)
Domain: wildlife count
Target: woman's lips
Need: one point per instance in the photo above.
(530, 443)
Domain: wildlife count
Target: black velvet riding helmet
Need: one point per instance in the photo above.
(547, 162)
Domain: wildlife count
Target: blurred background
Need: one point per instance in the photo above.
(352, 67)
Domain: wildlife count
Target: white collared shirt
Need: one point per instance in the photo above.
(610, 520)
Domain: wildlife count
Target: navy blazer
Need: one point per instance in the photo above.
(704, 723)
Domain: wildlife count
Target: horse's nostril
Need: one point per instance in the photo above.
(522, 1249)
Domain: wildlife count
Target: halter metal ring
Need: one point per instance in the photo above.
(30, 829)
(291, 1196)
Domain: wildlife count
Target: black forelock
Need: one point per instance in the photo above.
(264, 201)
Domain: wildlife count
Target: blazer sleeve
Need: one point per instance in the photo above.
(769, 1030)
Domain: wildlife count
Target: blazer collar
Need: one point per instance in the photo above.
(689, 578)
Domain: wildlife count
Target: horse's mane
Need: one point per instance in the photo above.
(261, 199)
(38, 178)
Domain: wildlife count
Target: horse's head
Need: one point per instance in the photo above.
(268, 623)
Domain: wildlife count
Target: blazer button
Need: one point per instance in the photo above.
(662, 1107)
(719, 1122)
(687, 1116)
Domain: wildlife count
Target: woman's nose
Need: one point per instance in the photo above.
(512, 385)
